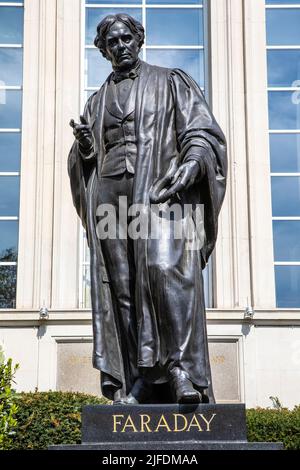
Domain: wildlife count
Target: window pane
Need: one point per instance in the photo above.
(286, 240)
(174, 2)
(285, 153)
(86, 287)
(8, 240)
(11, 66)
(10, 151)
(10, 109)
(8, 279)
(189, 61)
(283, 2)
(284, 110)
(95, 15)
(174, 27)
(11, 25)
(283, 68)
(287, 286)
(283, 26)
(97, 68)
(286, 196)
(9, 196)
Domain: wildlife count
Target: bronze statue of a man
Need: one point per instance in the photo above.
(148, 137)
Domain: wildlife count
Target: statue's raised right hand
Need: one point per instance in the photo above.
(82, 133)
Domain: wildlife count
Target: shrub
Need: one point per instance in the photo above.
(282, 425)
(48, 418)
(55, 418)
(8, 408)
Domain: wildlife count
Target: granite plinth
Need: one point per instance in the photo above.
(165, 427)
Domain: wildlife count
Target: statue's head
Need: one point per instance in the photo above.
(119, 39)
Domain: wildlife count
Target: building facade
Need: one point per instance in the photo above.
(245, 54)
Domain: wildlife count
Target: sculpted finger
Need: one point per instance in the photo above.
(83, 120)
(176, 176)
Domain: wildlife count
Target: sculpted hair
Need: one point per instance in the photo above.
(103, 27)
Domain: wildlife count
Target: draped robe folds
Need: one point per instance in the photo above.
(171, 115)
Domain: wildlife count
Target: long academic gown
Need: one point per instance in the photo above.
(171, 116)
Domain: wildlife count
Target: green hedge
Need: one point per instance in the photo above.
(49, 418)
(267, 425)
(54, 418)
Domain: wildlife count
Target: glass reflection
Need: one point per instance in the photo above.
(283, 2)
(174, 27)
(283, 26)
(8, 280)
(8, 240)
(10, 109)
(284, 109)
(9, 196)
(285, 153)
(11, 62)
(283, 67)
(97, 68)
(86, 287)
(188, 60)
(174, 2)
(10, 151)
(95, 15)
(287, 279)
(11, 25)
(286, 196)
(286, 240)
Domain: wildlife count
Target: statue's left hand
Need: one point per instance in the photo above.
(184, 177)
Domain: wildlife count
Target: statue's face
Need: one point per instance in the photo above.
(122, 47)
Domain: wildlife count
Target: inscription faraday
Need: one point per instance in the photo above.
(175, 422)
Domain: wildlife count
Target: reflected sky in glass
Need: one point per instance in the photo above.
(283, 2)
(285, 153)
(286, 235)
(283, 67)
(10, 151)
(190, 61)
(8, 240)
(283, 26)
(11, 25)
(95, 15)
(287, 279)
(9, 196)
(11, 62)
(174, 27)
(97, 68)
(284, 110)
(285, 196)
(174, 2)
(10, 109)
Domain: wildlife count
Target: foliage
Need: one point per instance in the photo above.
(48, 418)
(55, 418)
(8, 407)
(279, 425)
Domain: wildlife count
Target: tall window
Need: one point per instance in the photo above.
(283, 54)
(11, 57)
(174, 38)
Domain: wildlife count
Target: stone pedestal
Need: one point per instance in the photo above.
(165, 427)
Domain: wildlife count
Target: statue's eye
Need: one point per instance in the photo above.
(112, 42)
(127, 38)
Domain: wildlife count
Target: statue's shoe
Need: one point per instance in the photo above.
(182, 387)
(140, 392)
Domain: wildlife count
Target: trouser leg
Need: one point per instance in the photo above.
(119, 260)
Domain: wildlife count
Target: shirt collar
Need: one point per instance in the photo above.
(118, 76)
